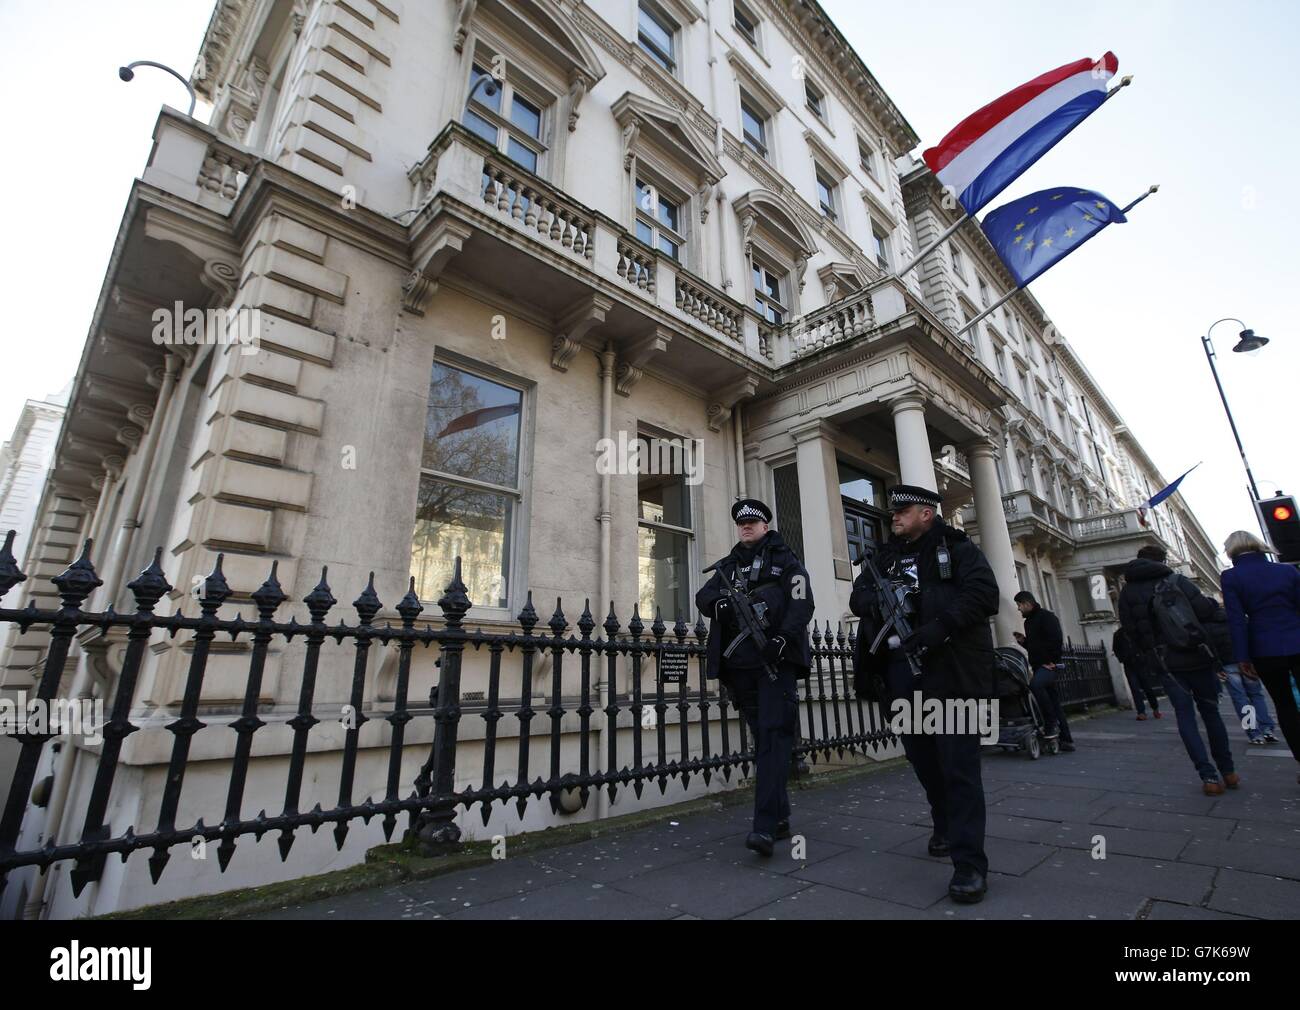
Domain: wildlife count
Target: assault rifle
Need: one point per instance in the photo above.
(891, 602)
(751, 616)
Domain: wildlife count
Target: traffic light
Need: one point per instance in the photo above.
(1282, 519)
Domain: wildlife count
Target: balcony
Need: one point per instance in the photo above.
(1111, 526)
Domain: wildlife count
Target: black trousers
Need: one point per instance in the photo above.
(1276, 673)
(948, 767)
(1140, 684)
(771, 710)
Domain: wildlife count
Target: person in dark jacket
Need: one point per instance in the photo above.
(952, 593)
(1135, 672)
(1044, 641)
(764, 568)
(1189, 675)
(1262, 599)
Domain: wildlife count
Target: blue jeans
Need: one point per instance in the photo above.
(1245, 691)
(1190, 691)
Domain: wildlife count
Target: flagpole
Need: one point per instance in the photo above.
(902, 272)
(1011, 294)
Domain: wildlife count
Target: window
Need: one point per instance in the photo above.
(815, 99)
(984, 293)
(826, 193)
(1022, 576)
(867, 157)
(469, 486)
(999, 361)
(1024, 385)
(860, 486)
(880, 247)
(769, 300)
(664, 537)
(659, 220)
(957, 266)
(789, 514)
(507, 120)
(746, 23)
(753, 125)
(657, 36)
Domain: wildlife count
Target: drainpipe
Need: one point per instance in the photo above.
(607, 365)
(65, 761)
(740, 451)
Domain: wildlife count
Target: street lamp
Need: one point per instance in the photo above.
(127, 73)
(1247, 343)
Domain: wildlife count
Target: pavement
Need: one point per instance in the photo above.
(1169, 851)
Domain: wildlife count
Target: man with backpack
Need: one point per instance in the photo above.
(1179, 633)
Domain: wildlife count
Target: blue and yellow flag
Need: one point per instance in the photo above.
(1036, 232)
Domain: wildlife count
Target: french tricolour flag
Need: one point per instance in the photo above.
(990, 149)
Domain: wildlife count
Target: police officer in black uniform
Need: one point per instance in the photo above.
(762, 682)
(951, 593)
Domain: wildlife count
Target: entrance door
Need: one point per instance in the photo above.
(863, 527)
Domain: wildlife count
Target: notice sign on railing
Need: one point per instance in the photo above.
(673, 665)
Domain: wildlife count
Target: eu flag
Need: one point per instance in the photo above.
(1036, 232)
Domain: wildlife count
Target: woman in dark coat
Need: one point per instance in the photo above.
(1262, 599)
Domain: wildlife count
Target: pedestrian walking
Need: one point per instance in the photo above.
(1250, 702)
(1262, 600)
(1166, 616)
(1137, 675)
(1044, 641)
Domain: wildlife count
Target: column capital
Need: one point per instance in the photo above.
(808, 430)
(911, 400)
(981, 448)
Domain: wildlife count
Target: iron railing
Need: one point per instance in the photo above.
(833, 720)
(1086, 678)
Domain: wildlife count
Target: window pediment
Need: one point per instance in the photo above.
(825, 156)
(753, 82)
(546, 28)
(640, 117)
(763, 207)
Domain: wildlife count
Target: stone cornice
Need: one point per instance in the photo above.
(230, 21)
(839, 63)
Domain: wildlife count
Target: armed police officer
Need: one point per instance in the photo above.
(760, 603)
(946, 592)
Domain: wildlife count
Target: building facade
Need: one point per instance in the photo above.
(674, 223)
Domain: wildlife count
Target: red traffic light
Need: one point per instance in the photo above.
(1282, 514)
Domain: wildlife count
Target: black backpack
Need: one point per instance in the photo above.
(1176, 625)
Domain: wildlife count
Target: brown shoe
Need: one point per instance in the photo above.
(1232, 780)
(1212, 788)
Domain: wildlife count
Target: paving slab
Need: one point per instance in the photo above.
(1171, 852)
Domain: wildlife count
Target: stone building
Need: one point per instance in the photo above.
(675, 219)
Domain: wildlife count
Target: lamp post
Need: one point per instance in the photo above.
(127, 73)
(1247, 343)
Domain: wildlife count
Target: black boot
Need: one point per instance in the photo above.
(938, 845)
(968, 885)
(782, 830)
(760, 843)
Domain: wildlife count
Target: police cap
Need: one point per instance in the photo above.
(749, 509)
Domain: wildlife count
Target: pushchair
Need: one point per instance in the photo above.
(1021, 725)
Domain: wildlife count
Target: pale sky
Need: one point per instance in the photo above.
(1211, 118)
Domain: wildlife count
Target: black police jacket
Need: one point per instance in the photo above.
(962, 667)
(1044, 639)
(783, 584)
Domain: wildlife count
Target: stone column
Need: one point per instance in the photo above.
(995, 539)
(818, 481)
(915, 461)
